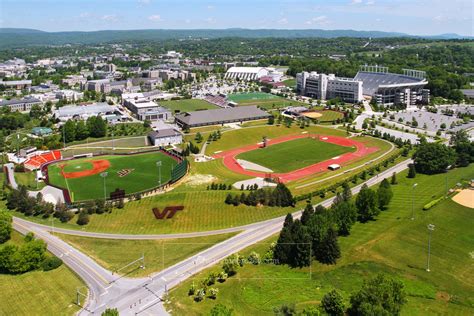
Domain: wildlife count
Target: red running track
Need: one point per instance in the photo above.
(230, 161)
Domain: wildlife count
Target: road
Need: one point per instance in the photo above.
(144, 296)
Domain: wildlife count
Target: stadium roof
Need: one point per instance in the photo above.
(220, 116)
(373, 80)
(94, 109)
(245, 69)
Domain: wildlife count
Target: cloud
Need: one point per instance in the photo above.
(155, 18)
(321, 20)
(85, 15)
(283, 21)
(211, 7)
(187, 21)
(370, 2)
(110, 18)
(356, 2)
(210, 20)
(144, 2)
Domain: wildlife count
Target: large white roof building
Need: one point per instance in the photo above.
(246, 73)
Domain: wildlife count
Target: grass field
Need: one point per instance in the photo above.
(291, 83)
(28, 179)
(143, 176)
(242, 137)
(264, 100)
(126, 142)
(329, 116)
(295, 154)
(188, 105)
(159, 254)
(38, 292)
(393, 244)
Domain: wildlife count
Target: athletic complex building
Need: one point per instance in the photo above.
(246, 73)
(373, 82)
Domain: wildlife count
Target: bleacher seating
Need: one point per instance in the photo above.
(218, 100)
(35, 162)
(372, 80)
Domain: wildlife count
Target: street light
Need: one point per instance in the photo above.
(104, 175)
(431, 227)
(158, 164)
(447, 168)
(413, 201)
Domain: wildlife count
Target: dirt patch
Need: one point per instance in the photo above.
(443, 296)
(312, 115)
(199, 179)
(465, 198)
(98, 166)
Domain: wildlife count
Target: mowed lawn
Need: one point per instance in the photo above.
(144, 175)
(159, 254)
(188, 105)
(264, 100)
(295, 154)
(38, 292)
(393, 244)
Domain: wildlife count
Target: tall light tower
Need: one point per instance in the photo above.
(413, 201)
(158, 164)
(104, 175)
(431, 227)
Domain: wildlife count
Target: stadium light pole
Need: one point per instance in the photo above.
(104, 175)
(158, 164)
(431, 227)
(447, 168)
(64, 137)
(413, 201)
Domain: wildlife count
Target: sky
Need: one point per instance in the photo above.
(416, 17)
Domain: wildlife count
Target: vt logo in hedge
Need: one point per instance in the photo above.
(167, 212)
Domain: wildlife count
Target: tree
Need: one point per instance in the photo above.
(411, 171)
(83, 218)
(231, 265)
(431, 158)
(81, 130)
(307, 212)
(384, 194)
(285, 310)
(378, 296)
(329, 250)
(28, 257)
(284, 245)
(271, 120)
(333, 303)
(464, 148)
(346, 192)
(300, 255)
(5, 226)
(367, 204)
(394, 179)
(345, 214)
(69, 132)
(220, 310)
(110, 312)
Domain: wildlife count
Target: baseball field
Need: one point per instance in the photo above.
(132, 173)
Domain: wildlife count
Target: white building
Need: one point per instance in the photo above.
(164, 135)
(83, 112)
(246, 73)
(325, 87)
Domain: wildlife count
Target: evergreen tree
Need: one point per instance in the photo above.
(300, 255)
(307, 213)
(284, 246)
(333, 303)
(329, 250)
(5, 226)
(411, 171)
(346, 192)
(394, 179)
(345, 214)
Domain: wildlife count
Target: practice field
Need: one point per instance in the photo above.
(133, 173)
(308, 160)
(188, 105)
(242, 97)
(294, 154)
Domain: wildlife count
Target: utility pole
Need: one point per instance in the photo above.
(431, 227)
(158, 164)
(104, 175)
(64, 136)
(413, 201)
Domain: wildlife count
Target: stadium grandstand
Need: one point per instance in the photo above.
(246, 73)
(394, 89)
(35, 162)
(219, 100)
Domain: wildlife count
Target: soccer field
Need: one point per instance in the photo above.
(241, 97)
(188, 105)
(295, 154)
(133, 173)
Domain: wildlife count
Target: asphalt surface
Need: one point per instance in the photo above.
(144, 296)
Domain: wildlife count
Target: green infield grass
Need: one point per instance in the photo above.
(294, 154)
(144, 174)
(38, 292)
(159, 254)
(393, 244)
(264, 100)
(188, 105)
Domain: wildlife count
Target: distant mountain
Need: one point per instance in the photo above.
(11, 37)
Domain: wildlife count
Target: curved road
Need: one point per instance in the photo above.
(144, 296)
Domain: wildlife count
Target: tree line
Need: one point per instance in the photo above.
(314, 235)
(279, 196)
(73, 130)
